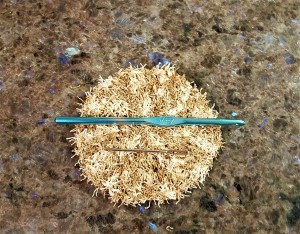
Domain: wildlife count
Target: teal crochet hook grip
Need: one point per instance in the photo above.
(164, 121)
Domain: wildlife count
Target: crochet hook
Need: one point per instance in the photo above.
(164, 121)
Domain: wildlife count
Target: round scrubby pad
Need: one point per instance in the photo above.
(132, 178)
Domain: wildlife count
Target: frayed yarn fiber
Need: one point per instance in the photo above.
(132, 178)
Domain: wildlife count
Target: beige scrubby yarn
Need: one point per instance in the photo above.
(132, 178)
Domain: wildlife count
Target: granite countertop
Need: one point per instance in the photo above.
(244, 54)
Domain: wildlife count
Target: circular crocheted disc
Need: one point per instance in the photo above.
(133, 178)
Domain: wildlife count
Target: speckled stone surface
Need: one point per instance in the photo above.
(244, 54)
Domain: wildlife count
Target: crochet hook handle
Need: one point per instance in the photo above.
(156, 121)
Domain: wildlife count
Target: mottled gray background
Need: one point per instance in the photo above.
(244, 54)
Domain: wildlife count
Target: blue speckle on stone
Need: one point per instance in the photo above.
(41, 121)
(72, 51)
(238, 133)
(153, 227)
(51, 90)
(75, 174)
(138, 39)
(220, 199)
(269, 65)
(297, 160)
(247, 60)
(263, 123)
(142, 209)
(28, 73)
(158, 58)
(164, 61)
(295, 21)
(289, 59)
(281, 41)
(1, 85)
(63, 59)
(15, 157)
(35, 195)
(234, 114)
(269, 38)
